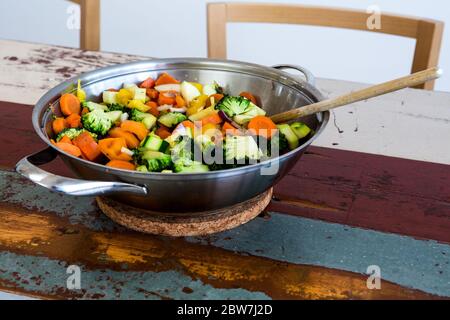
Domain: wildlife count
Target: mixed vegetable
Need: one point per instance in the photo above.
(165, 125)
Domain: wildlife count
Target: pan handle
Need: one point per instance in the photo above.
(27, 167)
(308, 75)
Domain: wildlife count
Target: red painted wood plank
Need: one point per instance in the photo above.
(370, 191)
(18, 139)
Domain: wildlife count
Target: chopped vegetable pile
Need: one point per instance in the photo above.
(165, 125)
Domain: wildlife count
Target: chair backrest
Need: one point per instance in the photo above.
(427, 32)
(90, 24)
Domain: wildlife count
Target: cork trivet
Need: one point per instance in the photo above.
(191, 224)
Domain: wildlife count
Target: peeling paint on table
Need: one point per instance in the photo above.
(275, 256)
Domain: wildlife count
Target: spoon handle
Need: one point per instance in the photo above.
(370, 92)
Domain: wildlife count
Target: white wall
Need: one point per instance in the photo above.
(178, 28)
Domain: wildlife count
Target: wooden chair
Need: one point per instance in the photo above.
(90, 24)
(428, 33)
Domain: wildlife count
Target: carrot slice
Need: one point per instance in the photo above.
(131, 140)
(58, 125)
(147, 83)
(69, 148)
(262, 126)
(228, 129)
(248, 96)
(121, 164)
(69, 103)
(84, 111)
(179, 101)
(74, 120)
(152, 93)
(214, 119)
(65, 139)
(165, 78)
(89, 148)
(217, 97)
(153, 108)
(112, 148)
(163, 132)
(165, 99)
(138, 128)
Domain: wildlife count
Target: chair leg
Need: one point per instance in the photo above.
(90, 25)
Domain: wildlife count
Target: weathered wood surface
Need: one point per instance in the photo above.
(38, 243)
(50, 231)
(123, 264)
(408, 124)
(281, 255)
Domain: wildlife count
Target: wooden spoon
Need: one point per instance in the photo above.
(370, 92)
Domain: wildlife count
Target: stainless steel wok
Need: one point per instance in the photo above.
(277, 90)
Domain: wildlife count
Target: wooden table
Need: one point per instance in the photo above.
(373, 190)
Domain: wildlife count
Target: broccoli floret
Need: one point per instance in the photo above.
(142, 168)
(147, 119)
(204, 142)
(219, 161)
(252, 111)
(171, 119)
(97, 121)
(72, 133)
(182, 150)
(185, 151)
(157, 165)
(117, 107)
(156, 161)
(233, 105)
(193, 167)
(137, 115)
(94, 106)
(278, 142)
(154, 165)
(241, 147)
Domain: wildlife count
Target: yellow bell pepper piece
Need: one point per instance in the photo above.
(81, 94)
(124, 96)
(197, 104)
(197, 85)
(138, 104)
(209, 129)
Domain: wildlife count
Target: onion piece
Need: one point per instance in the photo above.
(164, 107)
(225, 117)
(169, 87)
(169, 94)
(127, 151)
(123, 117)
(181, 109)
